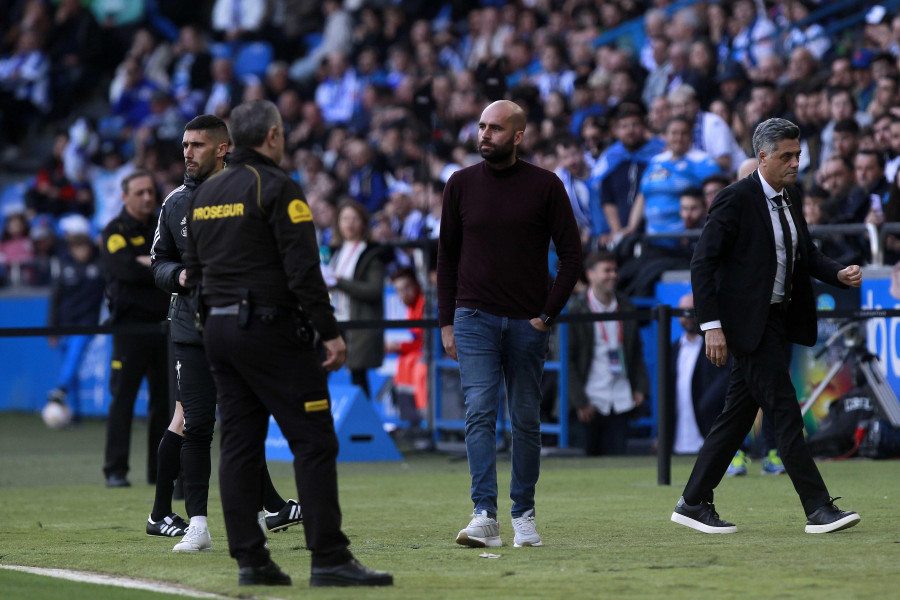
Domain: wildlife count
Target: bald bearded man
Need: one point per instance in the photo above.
(496, 306)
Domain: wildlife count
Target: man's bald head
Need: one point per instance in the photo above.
(748, 166)
(500, 129)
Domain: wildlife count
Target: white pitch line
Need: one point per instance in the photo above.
(123, 582)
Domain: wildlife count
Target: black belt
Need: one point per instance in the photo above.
(259, 310)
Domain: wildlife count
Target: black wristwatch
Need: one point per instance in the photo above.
(548, 321)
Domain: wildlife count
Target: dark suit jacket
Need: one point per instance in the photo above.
(709, 385)
(581, 351)
(733, 269)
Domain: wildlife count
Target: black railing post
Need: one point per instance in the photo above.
(663, 428)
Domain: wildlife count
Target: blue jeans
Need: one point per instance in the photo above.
(489, 347)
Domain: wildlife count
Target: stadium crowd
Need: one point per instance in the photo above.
(380, 101)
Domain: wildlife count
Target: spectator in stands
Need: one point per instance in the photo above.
(337, 36)
(870, 196)
(355, 276)
(53, 193)
(366, 182)
(841, 106)
(831, 245)
(338, 95)
(607, 374)
(236, 20)
(884, 97)
(406, 220)
(755, 37)
(24, 87)
(15, 243)
(696, 387)
(881, 133)
(554, 74)
(75, 51)
(811, 36)
(190, 70)
(891, 169)
(711, 186)
(836, 177)
(225, 90)
(411, 378)
(615, 178)
(715, 137)
(846, 139)
(574, 174)
(75, 299)
(132, 103)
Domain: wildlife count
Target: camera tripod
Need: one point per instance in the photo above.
(863, 362)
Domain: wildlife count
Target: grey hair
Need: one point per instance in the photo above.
(770, 132)
(251, 121)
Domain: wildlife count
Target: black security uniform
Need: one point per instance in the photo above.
(251, 238)
(133, 297)
(196, 388)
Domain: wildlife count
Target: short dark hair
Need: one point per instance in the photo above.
(126, 181)
(216, 127)
(251, 122)
(598, 256)
(402, 272)
(717, 178)
(692, 192)
(629, 109)
(879, 156)
(847, 126)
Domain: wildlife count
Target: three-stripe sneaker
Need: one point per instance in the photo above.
(171, 526)
(290, 514)
(482, 531)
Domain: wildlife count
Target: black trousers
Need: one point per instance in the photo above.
(759, 379)
(133, 357)
(266, 369)
(197, 392)
(606, 435)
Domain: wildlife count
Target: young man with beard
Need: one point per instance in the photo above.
(495, 308)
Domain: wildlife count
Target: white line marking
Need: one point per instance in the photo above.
(124, 582)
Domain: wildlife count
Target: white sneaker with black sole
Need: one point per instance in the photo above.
(481, 532)
(702, 517)
(196, 539)
(526, 531)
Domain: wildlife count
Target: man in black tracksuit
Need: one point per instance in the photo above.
(133, 297)
(205, 143)
(252, 247)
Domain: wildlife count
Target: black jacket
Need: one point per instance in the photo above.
(167, 263)
(77, 293)
(581, 351)
(131, 293)
(733, 269)
(249, 227)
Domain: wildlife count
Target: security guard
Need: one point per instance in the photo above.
(252, 248)
(132, 297)
(204, 144)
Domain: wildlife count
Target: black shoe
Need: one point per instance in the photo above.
(829, 518)
(702, 517)
(269, 574)
(171, 526)
(117, 481)
(348, 574)
(289, 514)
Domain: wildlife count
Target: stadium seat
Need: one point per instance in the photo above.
(253, 58)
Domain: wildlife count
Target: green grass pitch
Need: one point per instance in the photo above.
(605, 525)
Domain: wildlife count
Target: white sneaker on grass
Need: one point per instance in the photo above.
(481, 532)
(526, 531)
(196, 539)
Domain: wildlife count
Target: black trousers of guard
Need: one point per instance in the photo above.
(759, 379)
(262, 369)
(197, 392)
(133, 357)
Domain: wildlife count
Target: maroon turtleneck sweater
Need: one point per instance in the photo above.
(496, 228)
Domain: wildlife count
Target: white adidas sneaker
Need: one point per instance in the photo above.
(481, 532)
(196, 539)
(526, 531)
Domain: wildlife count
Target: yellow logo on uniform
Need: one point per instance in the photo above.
(115, 243)
(316, 405)
(137, 241)
(298, 211)
(116, 364)
(219, 211)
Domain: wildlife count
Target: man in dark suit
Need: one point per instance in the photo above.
(751, 280)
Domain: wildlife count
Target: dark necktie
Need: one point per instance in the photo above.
(781, 209)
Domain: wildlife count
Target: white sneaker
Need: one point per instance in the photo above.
(194, 540)
(482, 532)
(526, 531)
